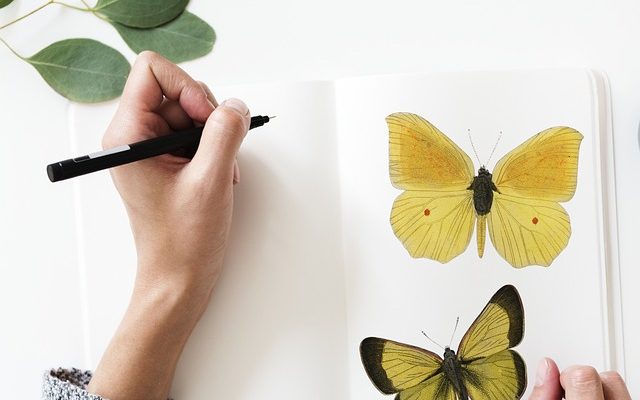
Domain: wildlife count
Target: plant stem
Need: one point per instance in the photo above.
(88, 9)
(49, 2)
(95, 10)
(102, 17)
(106, 4)
(26, 15)
(12, 50)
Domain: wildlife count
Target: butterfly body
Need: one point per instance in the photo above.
(453, 371)
(518, 204)
(483, 188)
(484, 367)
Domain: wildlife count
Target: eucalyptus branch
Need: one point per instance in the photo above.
(86, 70)
(11, 48)
(88, 9)
(27, 15)
(48, 3)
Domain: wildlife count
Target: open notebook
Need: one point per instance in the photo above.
(314, 266)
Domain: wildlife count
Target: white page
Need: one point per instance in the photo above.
(275, 327)
(393, 296)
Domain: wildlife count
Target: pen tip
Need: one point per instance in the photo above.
(273, 117)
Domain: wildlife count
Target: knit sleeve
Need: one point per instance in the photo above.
(67, 384)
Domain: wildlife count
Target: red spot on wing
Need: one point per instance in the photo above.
(427, 212)
(534, 220)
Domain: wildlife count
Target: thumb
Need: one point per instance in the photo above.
(222, 136)
(547, 385)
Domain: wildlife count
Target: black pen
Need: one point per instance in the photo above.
(185, 142)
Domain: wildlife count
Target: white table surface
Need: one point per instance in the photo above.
(283, 40)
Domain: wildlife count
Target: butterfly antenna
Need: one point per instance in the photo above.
(454, 331)
(494, 147)
(436, 343)
(473, 146)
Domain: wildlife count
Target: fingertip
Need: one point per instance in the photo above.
(552, 370)
(581, 379)
(237, 105)
(611, 376)
(231, 117)
(542, 372)
(547, 383)
(613, 386)
(147, 56)
(222, 136)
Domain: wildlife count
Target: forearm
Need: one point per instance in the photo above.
(141, 359)
(180, 214)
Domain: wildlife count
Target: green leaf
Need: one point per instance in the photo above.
(82, 70)
(185, 38)
(4, 3)
(141, 13)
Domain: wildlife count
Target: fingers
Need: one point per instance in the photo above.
(159, 96)
(153, 77)
(210, 95)
(582, 383)
(221, 138)
(547, 386)
(577, 383)
(174, 115)
(614, 387)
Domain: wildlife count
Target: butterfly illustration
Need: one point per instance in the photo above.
(519, 202)
(484, 367)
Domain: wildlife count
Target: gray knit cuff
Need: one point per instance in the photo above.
(67, 384)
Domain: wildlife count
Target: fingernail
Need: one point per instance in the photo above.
(237, 105)
(543, 371)
(236, 173)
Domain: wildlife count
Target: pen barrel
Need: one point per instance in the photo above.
(185, 141)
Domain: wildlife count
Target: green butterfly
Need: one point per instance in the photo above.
(484, 367)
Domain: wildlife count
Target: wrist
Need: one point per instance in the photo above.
(186, 281)
(178, 300)
(141, 358)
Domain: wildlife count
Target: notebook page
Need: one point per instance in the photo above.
(275, 327)
(393, 296)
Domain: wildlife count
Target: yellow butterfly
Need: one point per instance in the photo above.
(483, 368)
(434, 215)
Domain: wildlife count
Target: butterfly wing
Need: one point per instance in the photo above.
(528, 231)
(434, 217)
(435, 225)
(395, 367)
(502, 376)
(490, 370)
(527, 226)
(423, 158)
(544, 167)
(435, 388)
(499, 326)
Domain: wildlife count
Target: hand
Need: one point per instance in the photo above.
(180, 210)
(180, 215)
(577, 383)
